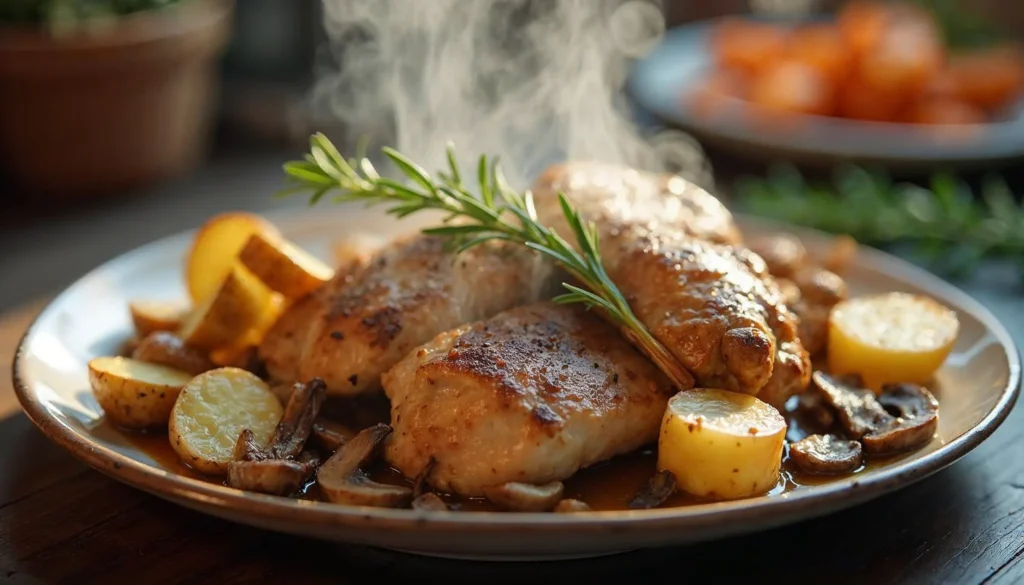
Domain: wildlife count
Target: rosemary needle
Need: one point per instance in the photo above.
(496, 212)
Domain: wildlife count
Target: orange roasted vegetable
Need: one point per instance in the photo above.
(988, 78)
(822, 47)
(745, 45)
(793, 87)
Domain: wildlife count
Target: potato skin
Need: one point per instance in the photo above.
(151, 316)
(277, 264)
(215, 248)
(167, 349)
(131, 403)
(235, 308)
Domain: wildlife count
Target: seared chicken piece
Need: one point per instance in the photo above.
(362, 322)
(810, 289)
(531, 395)
(617, 194)
(713, 305)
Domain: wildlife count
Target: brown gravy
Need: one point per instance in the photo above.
(607, 486)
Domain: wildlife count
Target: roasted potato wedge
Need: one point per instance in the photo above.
(890, 338)
(721, 444)
(167, 349)
(150, 316)
(215, 250)
(135, 394)
(227, 317)
(240, 354)
(283, 266)
(211, 412)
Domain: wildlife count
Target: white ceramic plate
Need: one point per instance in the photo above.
(978, 386)
(659, 83)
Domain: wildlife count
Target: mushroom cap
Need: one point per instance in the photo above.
(825, 454)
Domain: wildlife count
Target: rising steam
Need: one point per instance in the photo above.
(533, 81)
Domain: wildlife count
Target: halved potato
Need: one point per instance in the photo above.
(135, 394)
(213, 409)
(226, 318)
(721, 444)
(150, 316)
(215, 250)
(890, 338)
(283, 266)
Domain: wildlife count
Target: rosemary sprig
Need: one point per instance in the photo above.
(945, 225)
(496, 212)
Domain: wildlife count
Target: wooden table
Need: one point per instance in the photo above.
(62, 522)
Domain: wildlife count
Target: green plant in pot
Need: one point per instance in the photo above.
(101, 96)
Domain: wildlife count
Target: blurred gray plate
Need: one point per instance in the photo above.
(660, 81)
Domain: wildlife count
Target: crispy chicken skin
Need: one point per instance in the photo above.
(674, 251)
(714, 307)
(361, 323)
(531, 395)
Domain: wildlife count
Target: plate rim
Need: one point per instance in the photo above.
(163, 483)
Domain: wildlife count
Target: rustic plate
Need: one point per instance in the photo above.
(90, 319)
(661, 80)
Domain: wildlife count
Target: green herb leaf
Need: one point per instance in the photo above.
(945, 225)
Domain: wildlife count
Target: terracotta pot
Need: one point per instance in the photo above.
(93, 114)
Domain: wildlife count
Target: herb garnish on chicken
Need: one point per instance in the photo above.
(497, 212)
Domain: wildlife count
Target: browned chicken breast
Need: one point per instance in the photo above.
(712, 304)
(531, 395)
(361, 323)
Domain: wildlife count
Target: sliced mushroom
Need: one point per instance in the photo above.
(430, 502)
(857, 408)
(297, 422)
(815, 410)
(825, 454)
(570, 505)
(246, 448)
(421, 479)
(329, 435)
(525, 497)
(865, 417)
(658, 489)
(343, 482)
(274, 469)
(280, 477)
(915, 423)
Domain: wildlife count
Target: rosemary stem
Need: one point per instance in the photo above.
(497, 212)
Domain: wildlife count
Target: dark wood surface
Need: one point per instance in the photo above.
(62, 522)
